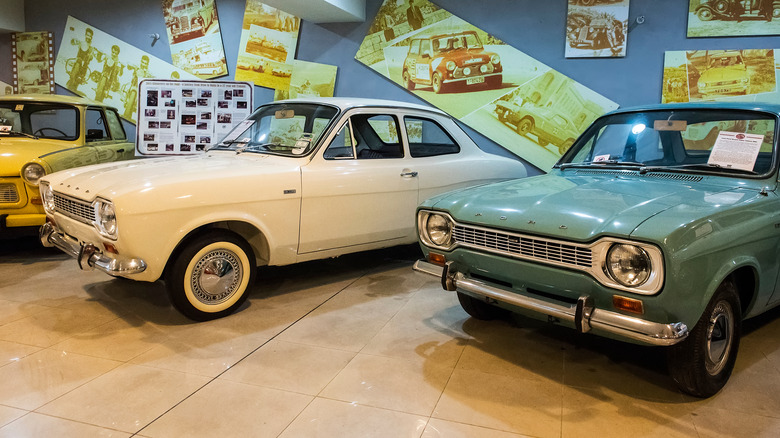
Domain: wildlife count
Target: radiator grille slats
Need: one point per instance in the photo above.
(8, 194)
(524, 246)
(77, 209)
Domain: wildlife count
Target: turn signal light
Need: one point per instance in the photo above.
(110, 248)
(628, 304)
(437, 259)
(36, 201)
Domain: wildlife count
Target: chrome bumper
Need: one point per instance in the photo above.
(88, 256)
(583, 315)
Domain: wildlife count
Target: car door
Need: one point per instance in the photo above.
(359, 188)
(105, 135)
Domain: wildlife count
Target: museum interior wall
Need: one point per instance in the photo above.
(534, 27)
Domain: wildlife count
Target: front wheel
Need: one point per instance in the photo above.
(210, 276)
(702, 364)
(704, 14)
(436, 83)
(479, 309)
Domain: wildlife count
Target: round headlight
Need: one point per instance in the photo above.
(467, 71)
(439, 230)
(701, 84)
(495, 59)
(629, 265)
(32, 173)
(105, 218)
(451, 65)
(47, 194)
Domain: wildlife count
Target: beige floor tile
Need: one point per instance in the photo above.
(291, 367)
(11, 352)
(389, 383)
(230, 409)
(121, 339)
(748, 393)
(53, 325)
(126, 398)
(43, 376)
(714, 423)
(604, 413)
(9, 414)
(504, 403)
(36, 425)
(325, 418)
(12, 310)
(449, 429)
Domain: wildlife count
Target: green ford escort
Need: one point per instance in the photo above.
(660, 226)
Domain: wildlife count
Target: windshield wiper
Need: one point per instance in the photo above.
(709, 166)
(24, 134)
(607, 163)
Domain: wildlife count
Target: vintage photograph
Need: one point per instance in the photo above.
(737, 75)
(195, 38)
(708, 18)
(267, 47)
(309, 79)
(94, 64)
(483, 73)
(596, 29)
(33, 73)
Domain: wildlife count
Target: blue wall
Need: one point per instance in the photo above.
(535, 27)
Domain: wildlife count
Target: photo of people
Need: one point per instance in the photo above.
(148, 137)
(150, 112)
(241, 104)
(708, 18)
(223, 118)
(597, 30)
(151, 98)
(33, 72)
(171, 115)
(188, 119)
(195, 37)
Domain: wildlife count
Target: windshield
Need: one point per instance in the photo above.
(445, 43)
(43, 120)
(723, 141)
(290, 129)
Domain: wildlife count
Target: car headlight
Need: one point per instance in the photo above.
(32, 173)
(436, 229)
(451, 65)
(47, 194)
(701, 84)
(628, 264)
(467, 71)
(495, 59)
(105, 218)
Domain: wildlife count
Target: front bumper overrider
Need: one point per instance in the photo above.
(582, 316)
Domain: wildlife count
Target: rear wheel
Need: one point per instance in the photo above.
(702, 364)
(479, 309)
(525, 126)
(210, 276)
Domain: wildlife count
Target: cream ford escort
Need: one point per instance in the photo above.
(298, 180)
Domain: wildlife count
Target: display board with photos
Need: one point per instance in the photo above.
(186, 117)
(33, 62)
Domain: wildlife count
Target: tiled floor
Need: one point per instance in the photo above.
(359, 346)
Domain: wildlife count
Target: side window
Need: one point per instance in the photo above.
(377, 136)
(115, 126)
(425, 47)
(342, 145)
(427, 138)
(414, 48)
(96, 125)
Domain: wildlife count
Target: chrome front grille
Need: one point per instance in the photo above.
(524, 246)
(8, 194)
(80, 210)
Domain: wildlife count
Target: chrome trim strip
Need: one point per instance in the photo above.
(630, 327)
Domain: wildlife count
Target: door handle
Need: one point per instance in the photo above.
(120, 150)
(409, 174)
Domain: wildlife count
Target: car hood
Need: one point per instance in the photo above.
(721, 74)
(17, 151)
(579, 208)
(218, 175)
(462, 56)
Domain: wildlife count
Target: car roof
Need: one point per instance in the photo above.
(345, 103)
(52, 98)
(743, 106)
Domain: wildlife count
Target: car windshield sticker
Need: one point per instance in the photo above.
(19, 107)
(238, 130)
(736, 150)
(5, 128)
(598, 158)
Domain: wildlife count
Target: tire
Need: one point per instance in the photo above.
(200, 292)
(525, 126)
(587, 2)
(705, 14)
(702, 364)
(436, 83)
(479, 309)
(408, 80)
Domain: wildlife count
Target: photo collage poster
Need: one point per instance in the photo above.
(515, 100)
(597, 29)
(269, 38)
(718, 18)
(720, 75)
(308, 80)
(96, 65)
(33, 62)
(186, 117)
(195, 37)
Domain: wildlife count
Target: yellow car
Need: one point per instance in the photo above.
(41, 134)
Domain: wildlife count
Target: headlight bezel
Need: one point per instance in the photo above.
(450, 65)
(424, 218)
(47, 196)
(620, 267)
(495, 59)
(105, 218)
(36, 179)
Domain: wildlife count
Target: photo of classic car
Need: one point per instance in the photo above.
(658, 227)
(298, 180)
(41, 134)
(726, 73)
(737, 9)
(603, 32)
(443, 61)
(546, 123)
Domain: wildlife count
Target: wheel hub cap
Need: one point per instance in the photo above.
(216, 276)
(720, 333)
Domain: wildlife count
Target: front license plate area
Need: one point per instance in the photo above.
(472, 81)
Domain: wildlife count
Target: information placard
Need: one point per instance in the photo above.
(186, 117)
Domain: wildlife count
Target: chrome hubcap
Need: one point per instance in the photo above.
(216, 276)
(720, 333)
